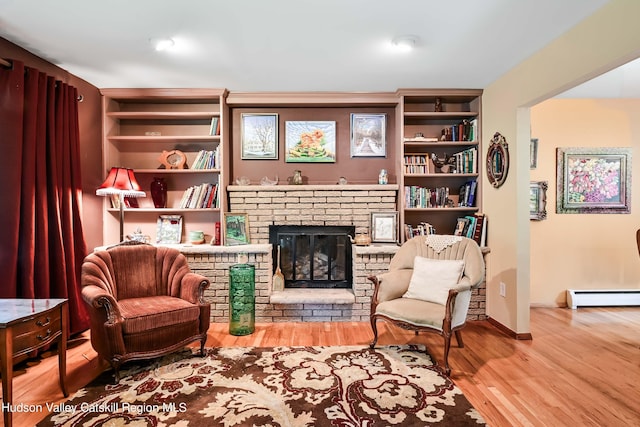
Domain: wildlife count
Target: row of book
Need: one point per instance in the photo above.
(215, 126)
(416, 196)
(200, 196)
(466, 130)
(206, 159)
(467, 193)
(422, 229)
(465, 161)
(474, 227)
(423, 197)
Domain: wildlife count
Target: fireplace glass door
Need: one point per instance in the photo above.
(314, 257)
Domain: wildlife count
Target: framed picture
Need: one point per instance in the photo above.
(169, 229)
(368, 133)
(310, 141)
(538, 200)
(259, 136)
(384, 227)
(594, 180)
(533, 153)
(236, 229)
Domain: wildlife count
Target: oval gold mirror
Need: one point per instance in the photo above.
(497, 160)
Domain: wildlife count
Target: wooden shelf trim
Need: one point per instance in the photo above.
(162, 115)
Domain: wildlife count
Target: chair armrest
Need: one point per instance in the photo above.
(392, 284)
(100, 300)
(192, 288)
(463, 285)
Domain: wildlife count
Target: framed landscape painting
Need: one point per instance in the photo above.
(594, 180)
(310, 141)
(236, 229)
(259, 136)
(368, 133)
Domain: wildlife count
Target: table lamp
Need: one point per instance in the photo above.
(121, 182)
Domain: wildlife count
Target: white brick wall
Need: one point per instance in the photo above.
(305, 205)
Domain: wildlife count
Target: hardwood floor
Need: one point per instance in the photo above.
(582, 367)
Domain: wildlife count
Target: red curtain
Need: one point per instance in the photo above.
(40, 223)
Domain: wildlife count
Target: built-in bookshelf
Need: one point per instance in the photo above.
(440, 173)
(140, 126)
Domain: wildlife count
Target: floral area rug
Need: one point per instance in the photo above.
(281, 386)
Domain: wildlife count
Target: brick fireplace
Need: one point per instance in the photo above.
(309, 205)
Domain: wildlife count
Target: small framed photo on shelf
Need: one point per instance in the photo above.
(310, 141)
(259, 136)
(169, 229)
(384, 227)
(236, 229)
(593, 180)
(368, 135)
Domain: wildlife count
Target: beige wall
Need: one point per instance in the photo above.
(587, 251)
(605, 40)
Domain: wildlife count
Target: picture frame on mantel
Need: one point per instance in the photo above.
(368, 135)
(384, 227)
(259, 136)
(236, 229)
(593, 180)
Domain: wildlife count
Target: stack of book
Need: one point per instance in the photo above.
(201, 196)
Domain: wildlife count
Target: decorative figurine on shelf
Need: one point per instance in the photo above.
(438, 107)
(383, 177)
(297, 177)
(342, 180)
(447, 164)
(265, 180)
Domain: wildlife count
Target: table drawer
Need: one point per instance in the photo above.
(36, 330)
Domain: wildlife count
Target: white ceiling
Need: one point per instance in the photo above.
(289, 45)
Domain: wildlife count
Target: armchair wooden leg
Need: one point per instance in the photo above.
(447, 346)
(459, 339)
(203, 340)
(375, 332)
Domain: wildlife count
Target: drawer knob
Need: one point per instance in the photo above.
(45, 323)
(42, 338)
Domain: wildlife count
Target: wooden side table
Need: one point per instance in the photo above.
(27, 325)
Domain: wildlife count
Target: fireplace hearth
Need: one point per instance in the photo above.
(314, 256)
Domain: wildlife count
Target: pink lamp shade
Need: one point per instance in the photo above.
(121, 181)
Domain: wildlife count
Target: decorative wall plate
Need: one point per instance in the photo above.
(173, 159)
(497, 160)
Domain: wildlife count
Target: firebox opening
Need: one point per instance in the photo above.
(313, 256)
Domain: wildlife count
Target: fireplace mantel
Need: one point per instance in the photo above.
(314, 187)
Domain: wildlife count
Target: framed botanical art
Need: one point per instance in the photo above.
(594, 180)
(236, 229)
(310, 141)
(384, 227)
(538, 200)
(368, 133)
(259, 136)
(533, 153)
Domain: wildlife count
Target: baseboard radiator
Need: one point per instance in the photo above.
(602, 297)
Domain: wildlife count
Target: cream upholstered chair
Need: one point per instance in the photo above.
(143, 301)
(428, 287)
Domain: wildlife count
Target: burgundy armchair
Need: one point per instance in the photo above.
(143, 301)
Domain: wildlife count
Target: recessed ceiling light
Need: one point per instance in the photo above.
(405, 43)
(162, 44)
